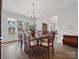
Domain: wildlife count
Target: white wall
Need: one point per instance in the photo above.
(46, 7)
(4, 25)
(67, 21)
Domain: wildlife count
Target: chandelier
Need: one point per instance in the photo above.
(35, 7)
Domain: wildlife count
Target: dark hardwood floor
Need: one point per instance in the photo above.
(12, 51)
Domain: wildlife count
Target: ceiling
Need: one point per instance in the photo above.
(24, 7)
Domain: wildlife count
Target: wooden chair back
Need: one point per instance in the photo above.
(39, 33)
(51, 37)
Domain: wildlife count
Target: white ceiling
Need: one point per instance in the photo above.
(24, 7)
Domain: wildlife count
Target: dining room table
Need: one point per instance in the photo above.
(39, 38)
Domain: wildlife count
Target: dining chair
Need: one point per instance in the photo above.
(29, 42)
(20, 39)
(49, 42)
(39, 33)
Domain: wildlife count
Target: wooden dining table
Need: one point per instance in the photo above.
(40, 38)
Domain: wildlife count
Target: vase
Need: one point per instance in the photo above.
(33, 34)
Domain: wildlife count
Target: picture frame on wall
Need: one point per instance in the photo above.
(11, 27)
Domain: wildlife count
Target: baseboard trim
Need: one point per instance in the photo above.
(9, 41)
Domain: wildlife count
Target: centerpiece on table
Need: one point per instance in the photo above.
(32, 29)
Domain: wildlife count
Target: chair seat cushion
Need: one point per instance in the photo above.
(46, 44)
(32, 43)
(44, 40)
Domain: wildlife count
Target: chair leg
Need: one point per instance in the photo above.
(53, 50)
(40, 50)
(30, 53)
(25, 48)
(21, 44)
(48, 53)
(18, 42)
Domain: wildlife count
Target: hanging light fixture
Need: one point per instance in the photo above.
(35, 6)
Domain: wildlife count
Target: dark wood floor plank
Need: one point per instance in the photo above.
(12, 51)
